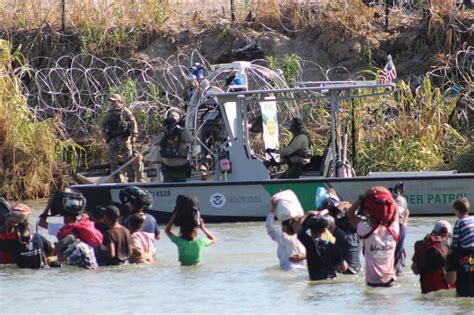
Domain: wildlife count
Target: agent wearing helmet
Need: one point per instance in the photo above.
(298, 152)
(138, 201)
(174, 148)
(120, 131)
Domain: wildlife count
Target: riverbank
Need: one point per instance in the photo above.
(143, 52)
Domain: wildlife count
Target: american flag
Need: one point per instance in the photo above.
(389, 73)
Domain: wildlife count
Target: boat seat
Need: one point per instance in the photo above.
(318, 165)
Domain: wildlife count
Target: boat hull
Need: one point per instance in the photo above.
(250, 201)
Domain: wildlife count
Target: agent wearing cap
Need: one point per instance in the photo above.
(120, 131)
(430, 258)
(298, 152)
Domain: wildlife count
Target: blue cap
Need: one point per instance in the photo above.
(237, 81)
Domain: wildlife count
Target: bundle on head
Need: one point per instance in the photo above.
(187, 211)
(379, 205)
(19, 213)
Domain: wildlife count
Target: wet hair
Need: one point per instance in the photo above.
(462, 205)
(112, 213)
(188, 233)
(184, 201)
(317, 224)
(98, 213)
(136, 221)
(288, 224)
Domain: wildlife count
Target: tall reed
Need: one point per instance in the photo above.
(410, 134)
(32, 156)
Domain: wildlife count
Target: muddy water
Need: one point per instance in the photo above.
(240, 275)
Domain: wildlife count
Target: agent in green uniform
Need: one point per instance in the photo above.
(120, 131)
(298, 152)
(174, 149)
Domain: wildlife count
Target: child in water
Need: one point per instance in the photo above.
(190, 247)
(142, 243)
(287, 240)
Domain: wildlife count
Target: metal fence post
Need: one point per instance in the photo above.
(63, 16)
(232, 10)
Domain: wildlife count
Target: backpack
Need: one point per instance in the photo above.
(32, 255)
(421, 249)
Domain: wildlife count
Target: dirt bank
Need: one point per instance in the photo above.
(418, 43)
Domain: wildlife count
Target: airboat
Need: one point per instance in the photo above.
(234, 121)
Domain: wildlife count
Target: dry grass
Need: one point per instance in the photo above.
(102, 14)
(411, 134)
(441, 25)
(340, 17)
(32, 156)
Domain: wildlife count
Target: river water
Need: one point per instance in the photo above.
(240, 275)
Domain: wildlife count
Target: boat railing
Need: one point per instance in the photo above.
(414, 174)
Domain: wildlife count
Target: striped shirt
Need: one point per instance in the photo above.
(463, 233)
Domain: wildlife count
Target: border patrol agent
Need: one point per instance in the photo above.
(174, 149)
(298, 152)
(120, 130)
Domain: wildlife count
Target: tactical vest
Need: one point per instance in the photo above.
(117, 125)
(170, 147)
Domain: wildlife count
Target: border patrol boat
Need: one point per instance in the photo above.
(231, 176)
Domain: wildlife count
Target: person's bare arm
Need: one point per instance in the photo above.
(298, 257)
(405, 219)
(350, 213)
(271, 230)
(111, 249)
(414, 268)
(43, 217)
(208, 234)
(169, 226)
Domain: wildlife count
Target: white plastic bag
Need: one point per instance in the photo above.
(288, 205)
